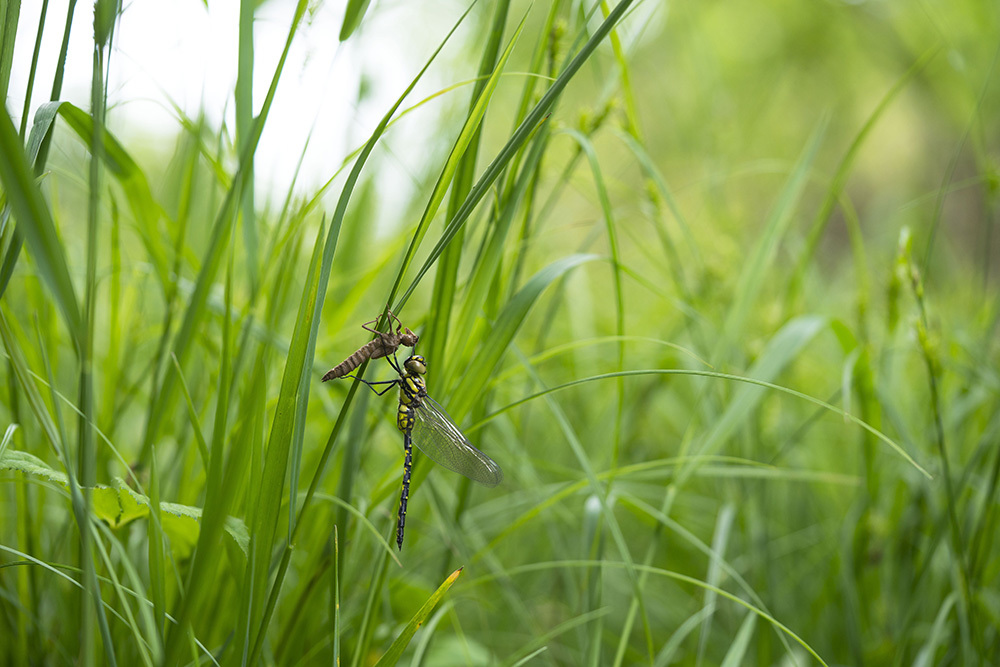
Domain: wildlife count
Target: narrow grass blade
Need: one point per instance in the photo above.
(469, 131)
(895, 446)
(760, 258)
(268, 497)
(8, 435)
(335, 598)
(353, 14)
(8, 33)
(480, 370)
(736, 655)
(244, 125)
(395, 652)
(846, 163)
(218, 241)
(514, 144)
(35, 223)
(489, 263)
(446, 277)
(723, 526)
(157, 556)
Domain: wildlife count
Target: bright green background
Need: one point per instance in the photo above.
(717, 289)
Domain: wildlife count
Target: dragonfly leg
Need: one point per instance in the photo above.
(394, 362)
(392, 318)
(371, 385)
(407, 468)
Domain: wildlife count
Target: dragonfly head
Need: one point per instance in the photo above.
(409, 339)
(415, 365)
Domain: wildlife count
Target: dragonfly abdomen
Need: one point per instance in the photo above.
(404, 496)
(362, 354)
(385, 344)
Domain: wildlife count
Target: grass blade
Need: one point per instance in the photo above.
(395, 652)
(36, 225)
(481, 369)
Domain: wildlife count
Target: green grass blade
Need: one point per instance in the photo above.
(839, 181)
(723, 528)
(36, 225)
(395, 651)
(244, 123)
(353, 14)
(218, 241)
(616, 274)
(513, 145)
(724, 376)
(481, 369)
(268, 497)
(335, 598)
(736, 655)
(488, 266)
(11, 12)
(469, 131)
(435, 333)
(752, 276)
(157, 556)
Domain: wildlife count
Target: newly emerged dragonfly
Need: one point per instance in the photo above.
(425, 424)
(387, 343)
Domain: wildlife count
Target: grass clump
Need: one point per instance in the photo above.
(723, 308)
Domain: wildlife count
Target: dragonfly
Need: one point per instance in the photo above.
(385, 344)
(425, 423)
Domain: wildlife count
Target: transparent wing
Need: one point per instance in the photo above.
(435, 434)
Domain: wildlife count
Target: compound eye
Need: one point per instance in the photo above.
(415, 364)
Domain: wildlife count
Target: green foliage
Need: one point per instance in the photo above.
(716, 286)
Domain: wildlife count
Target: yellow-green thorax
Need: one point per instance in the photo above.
(411, 388)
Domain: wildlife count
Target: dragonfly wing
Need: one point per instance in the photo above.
(435, 434)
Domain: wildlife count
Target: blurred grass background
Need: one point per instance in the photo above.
(715, 284)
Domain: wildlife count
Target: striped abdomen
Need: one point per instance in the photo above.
(380, 347)
(407, 468)
(375, 349)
